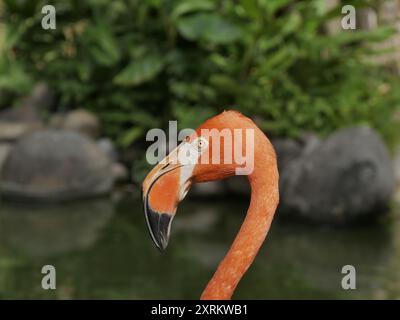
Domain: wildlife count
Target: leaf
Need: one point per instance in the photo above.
(139, 117)
(140, 70)
(251, 8)
(191, 116)
(130, 136)
(22, 8)
(13, 33)
(13, 77)
(345, 38)
(225, 84)
(210, 27)
(292, 23)
(102, 45)
(274, 6)
(186, 7)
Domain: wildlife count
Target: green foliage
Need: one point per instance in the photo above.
(140, 63)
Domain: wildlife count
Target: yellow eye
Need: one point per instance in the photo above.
(201, 143)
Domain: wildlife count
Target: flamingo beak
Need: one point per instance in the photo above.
(162, 192)
(159, 225)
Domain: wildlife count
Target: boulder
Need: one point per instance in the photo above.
(287, 150)
(24, 113)
(396, 162)
(83, 122)
(119, 172)
(28, 109)
(25, 116)
(41, 97)
(55, 166)
(108, 147)
(56, 120)
(5, 149)
(346, 177)
(12, 131)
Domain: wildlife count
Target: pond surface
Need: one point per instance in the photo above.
(101, 249)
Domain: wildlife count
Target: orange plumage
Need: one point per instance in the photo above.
(164, 186)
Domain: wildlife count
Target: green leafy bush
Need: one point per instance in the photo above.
(140, 63)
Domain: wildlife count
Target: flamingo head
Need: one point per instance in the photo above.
(194, 160)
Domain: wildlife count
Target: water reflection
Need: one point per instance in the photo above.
(305, 262)
(103, 250)
(53, 229)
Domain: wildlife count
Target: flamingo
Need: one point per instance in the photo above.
(169, 181)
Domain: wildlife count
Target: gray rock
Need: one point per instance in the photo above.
(108, 147)
(25, 116)
(397, 195)
(396, 162)
(286, 150)
(345, 177)
(5, 149)
(41, 97)
(83, 122)
(28, 109)
(56, 120)
(12, 131)
(120, 172)
(55, 166)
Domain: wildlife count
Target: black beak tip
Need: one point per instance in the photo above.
(159, 225)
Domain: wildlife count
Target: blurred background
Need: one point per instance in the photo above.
(76, 103)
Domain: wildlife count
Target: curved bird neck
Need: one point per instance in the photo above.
(263, 203)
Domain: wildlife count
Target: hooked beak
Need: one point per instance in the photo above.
(162, 191)
(159, 225)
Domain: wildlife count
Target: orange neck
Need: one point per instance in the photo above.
(264, 200)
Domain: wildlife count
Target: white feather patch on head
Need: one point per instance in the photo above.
(188, 156)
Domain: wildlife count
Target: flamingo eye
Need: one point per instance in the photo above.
(201, 143)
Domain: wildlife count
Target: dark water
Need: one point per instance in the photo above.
(101, 249)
